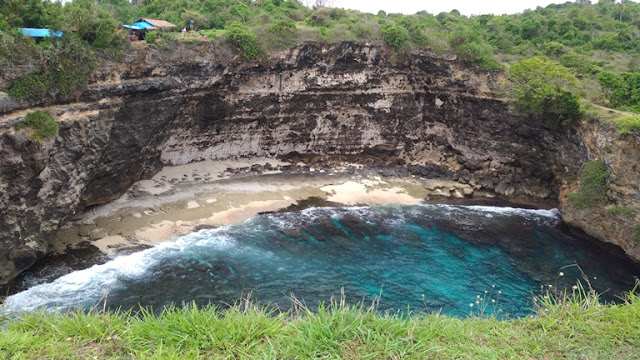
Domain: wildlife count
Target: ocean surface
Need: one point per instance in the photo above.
(436, 258)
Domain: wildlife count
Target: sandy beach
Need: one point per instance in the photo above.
(182, 199)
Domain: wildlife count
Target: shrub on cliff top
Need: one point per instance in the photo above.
(40, 125)
(479, 54)
(151, 37)
(593, 185)
(544, 88)
(93, 24)
(67, 63)
(395, 36)
(622, 90)
(472, 48)
(243, 39)
(282, 34)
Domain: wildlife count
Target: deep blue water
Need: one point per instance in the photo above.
(424, 257)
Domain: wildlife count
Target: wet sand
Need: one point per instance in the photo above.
(182, 199)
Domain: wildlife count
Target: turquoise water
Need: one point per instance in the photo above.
(425, 257)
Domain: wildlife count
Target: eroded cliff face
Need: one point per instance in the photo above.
(621, 153)
(422, 114)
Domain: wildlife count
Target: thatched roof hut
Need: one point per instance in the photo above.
(158, 24)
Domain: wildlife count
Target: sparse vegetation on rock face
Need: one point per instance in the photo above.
(607, 203)
(39, 125)
(622, 211)
(60, 66)
(65, 67)
(593, 185)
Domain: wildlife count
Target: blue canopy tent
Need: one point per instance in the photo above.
(132, 27)
(139, 26)
(138, 29)
(143, 25)
(40, 33)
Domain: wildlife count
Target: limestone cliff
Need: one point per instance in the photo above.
(425, 114)
(621, 153)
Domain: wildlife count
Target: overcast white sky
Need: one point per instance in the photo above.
(466, 7)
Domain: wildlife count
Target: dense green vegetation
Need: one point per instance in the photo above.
(65, 65)
(62, 65)
(622, 90)
(238, 35)
(39, 125)
(544, 88)
(573, 325)
(596, 42)
(151, 37)
(593, 185)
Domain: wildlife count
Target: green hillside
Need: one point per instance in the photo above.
(598, 42)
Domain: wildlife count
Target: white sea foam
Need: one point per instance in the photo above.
(90, 285)
(292, 220)
(283, 221)
(552, 213)
(551, 216)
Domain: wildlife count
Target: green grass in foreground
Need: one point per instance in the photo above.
(574, 327)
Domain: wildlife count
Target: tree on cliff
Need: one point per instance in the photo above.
(395, 36)
(543, 88)
(243, 39)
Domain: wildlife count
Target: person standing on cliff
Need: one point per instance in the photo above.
(191, 25)
(184, 31)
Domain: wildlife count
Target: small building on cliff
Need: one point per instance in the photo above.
(144, 25)
(157, 24)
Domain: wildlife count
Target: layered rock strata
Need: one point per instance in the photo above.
(621, 153)
(425, 114)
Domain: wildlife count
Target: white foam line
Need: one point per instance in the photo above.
(312, 213)
(552, 213)
(93, 283)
